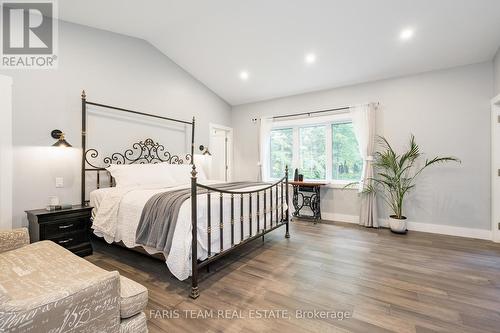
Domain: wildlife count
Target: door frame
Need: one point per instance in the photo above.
(495, 168)
(6, 167)
(211, 128)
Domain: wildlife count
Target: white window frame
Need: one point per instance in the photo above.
(327, 121)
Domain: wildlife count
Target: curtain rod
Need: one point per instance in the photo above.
(314, 112)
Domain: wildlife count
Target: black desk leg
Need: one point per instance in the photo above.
(312, 201)
(295, 201)
(317, 205)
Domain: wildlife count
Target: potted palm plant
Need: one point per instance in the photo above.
(395, 177)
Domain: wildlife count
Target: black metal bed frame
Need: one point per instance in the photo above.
(148, 151)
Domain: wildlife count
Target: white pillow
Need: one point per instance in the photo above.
(201, 173)
(141, 174)
(182, 173)
(203, 162)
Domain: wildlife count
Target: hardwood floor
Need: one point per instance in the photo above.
(385, 282)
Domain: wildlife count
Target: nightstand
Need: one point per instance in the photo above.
(69, 228)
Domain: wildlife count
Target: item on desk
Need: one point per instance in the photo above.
(301, 178)
(53, 200)
(52, 208)
(296, 175)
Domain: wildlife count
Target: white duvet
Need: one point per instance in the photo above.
(117, 213)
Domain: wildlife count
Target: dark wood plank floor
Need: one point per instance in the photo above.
(385, 282)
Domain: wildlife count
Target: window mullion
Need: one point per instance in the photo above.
(296, 149)
(329, 152)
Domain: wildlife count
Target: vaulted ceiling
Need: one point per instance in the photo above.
(352, 41)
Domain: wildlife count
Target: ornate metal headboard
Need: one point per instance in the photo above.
(142, 152)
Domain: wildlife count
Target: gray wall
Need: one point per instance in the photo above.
(113, 69)
(5, 152)
(496, 65)
(449, 113)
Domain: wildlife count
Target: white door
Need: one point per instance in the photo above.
(220, 146)
(495, 168)
(5, 152)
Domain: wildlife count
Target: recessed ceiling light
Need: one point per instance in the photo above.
(406, 34)
(310, 58)
(244, 75)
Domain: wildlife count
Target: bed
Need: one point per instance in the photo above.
(145, 196)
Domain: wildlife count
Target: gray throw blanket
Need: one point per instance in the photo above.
(159, 215)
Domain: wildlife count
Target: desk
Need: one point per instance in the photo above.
(307, 194)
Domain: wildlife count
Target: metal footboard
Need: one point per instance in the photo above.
(266, 216)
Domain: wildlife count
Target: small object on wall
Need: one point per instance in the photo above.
(301, 178)
(296, 175)
(205, 150)
(59, 182)
(61, 141)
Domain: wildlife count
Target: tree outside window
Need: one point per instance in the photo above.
(281, 151)
(313, 152)
(323, 152)
(346, 160)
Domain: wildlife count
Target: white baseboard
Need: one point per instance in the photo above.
(417, 226)
(340, 217)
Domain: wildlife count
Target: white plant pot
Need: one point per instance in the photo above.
(398, 226)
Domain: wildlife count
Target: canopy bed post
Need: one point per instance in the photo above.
(84, 144)
(192, 142)
(194, 233)
(194, 225)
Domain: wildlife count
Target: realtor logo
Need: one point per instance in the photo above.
(29, 34)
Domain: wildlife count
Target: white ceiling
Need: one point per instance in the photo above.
(354, 40)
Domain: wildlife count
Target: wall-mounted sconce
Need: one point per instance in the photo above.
(61, 141)
(204, 150)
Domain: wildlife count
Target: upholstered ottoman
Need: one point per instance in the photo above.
(133, 300)
(44, 287)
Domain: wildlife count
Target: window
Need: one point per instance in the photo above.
(347, 163)
(281, 151)
(322, 149)
(313, 152)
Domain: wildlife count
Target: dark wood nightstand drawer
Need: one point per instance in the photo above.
(71, 239)
(59, 215)
(64, 226)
